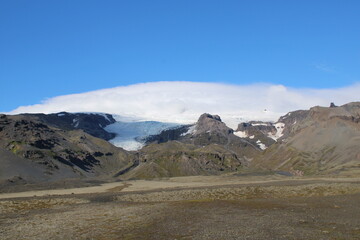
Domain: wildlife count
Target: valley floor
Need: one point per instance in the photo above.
(201, 207)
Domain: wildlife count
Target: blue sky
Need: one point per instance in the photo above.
(52, 48)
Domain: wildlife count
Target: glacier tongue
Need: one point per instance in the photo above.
(130, 135)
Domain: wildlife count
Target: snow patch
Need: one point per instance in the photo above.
(259, 124)
(279, 131)
(241, 134)
(104, 115)
(252, 137)
(261, 145)
(75, 122)
(61, 114)
(287, 115)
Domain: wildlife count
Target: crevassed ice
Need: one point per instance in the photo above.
(130, 135)
(128, 144)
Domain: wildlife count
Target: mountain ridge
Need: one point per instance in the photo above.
(39, 147)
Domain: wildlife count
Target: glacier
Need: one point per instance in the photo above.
(131, 135)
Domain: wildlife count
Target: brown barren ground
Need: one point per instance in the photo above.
(217, 207)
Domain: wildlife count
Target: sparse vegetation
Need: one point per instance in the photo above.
(280, 210)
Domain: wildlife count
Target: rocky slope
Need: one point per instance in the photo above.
(39, 147)
(208, 130)
(322, 140)
(208, 147)
(91, 123)
(32, 150)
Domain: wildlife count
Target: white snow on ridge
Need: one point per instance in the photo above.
(259, 124)
(279, 131)
(241, 134)
(104, 115)
(129, 135)
(287, 115)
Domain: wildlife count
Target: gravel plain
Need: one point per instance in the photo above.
(231, 208)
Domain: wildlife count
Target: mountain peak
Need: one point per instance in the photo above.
(207, 115)
(208, 123)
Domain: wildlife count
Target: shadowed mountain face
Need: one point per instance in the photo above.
(36, 151)
(91, 123)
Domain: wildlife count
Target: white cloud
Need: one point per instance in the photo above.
(183, 102)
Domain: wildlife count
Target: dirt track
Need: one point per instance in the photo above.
(191, 208)
(171, 183)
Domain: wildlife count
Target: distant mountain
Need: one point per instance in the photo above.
(91, 123)
(129, 135)
(322, 140)
(39, 147)
(207, 147)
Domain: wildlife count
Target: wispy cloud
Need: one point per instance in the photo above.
(324, 68)
(183, 102)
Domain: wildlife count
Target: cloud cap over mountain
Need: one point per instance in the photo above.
(184, 102)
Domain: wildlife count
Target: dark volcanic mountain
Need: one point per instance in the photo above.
(91, 123)
(47, 147)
